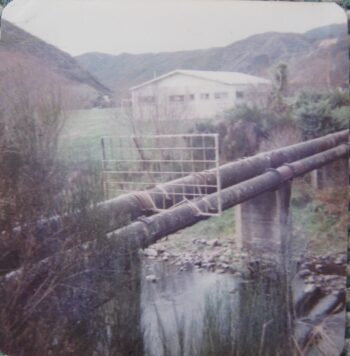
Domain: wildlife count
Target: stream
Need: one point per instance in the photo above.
(176, 301)
(175, 304)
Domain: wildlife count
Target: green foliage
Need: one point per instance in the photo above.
(4, 2)
(319, 113)
(319, 218)
(345, 4)
(34, 185)
(245, 126)
(342, 115)
(249, 114)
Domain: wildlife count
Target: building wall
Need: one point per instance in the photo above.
(185, 97)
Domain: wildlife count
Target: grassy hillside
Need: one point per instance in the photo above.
(96, 122)
(80, 137)
(83, 129)
(319, 217)
(20, 50)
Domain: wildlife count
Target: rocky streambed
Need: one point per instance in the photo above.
(325, 274)
(318, 283)
(204, 255)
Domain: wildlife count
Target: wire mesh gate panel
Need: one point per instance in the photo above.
(138, 163)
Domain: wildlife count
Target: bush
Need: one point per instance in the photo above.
(319, 113)
(62, 268)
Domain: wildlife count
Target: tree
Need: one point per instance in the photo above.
(278, 106)
(281, 79)
(53, 281)
(4, 2)
(318, 113)
(257, 124)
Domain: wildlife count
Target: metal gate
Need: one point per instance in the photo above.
(138, 163)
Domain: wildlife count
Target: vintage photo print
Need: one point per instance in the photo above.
(173, 178)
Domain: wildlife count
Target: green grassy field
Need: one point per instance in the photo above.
(90, 136)
(80, 138)
(81, 135)
(96, 122)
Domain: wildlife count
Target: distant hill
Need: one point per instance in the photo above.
(21, 49)
(330, 31)
(315, 58)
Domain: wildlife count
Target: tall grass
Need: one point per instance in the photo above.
(65, 288)
(257, 318)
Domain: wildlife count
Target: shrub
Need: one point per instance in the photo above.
(319, 113)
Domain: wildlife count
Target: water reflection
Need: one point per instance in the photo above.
(202, 314)
(173, 308)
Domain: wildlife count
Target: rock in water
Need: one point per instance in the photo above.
(151, 252)
(151, 278)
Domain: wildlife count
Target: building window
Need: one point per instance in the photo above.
(177, 98)
(239, 94)
(192, 96)
(221, 95)
(205, 96)
(147, 99)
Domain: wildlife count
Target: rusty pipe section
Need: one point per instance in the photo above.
(148, 230)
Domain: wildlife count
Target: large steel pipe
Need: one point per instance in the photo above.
(230, 174)
(147, 231)
(129, 207)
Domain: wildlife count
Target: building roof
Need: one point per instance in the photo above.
(221, 77)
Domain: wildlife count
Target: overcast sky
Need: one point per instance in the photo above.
(116, 26)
